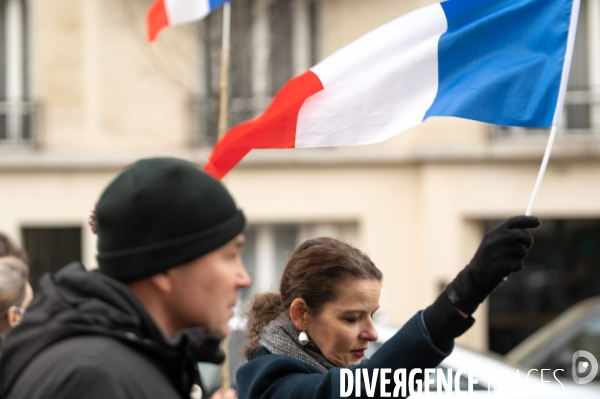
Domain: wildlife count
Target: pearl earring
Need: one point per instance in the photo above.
(303, 337)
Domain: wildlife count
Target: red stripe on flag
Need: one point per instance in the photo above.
(275, 128)
(156, 19)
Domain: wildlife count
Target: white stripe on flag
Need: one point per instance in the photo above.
(183, 11)
(378, 86)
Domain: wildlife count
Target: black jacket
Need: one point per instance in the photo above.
(269, 376)
(86, 336)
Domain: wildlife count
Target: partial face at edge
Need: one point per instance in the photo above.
(205, 290)
(28, 296)
(344, 328)
(14, 315)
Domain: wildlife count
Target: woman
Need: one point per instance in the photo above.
(15, 292)
(322, 318)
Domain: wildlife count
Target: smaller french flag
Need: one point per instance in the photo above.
(164, 13)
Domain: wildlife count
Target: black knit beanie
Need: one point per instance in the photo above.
(160, 213)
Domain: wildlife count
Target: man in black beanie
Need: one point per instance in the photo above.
(169, 244)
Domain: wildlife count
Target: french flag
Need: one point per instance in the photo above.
(163, 13)
(504, 62)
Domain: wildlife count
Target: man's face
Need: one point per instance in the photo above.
(205, 290)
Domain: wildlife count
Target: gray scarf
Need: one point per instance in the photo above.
(280, 337)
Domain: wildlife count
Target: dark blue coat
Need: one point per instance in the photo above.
(269, 376)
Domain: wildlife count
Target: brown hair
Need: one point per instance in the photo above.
(313, 273)
(7, 248)
(13, 282)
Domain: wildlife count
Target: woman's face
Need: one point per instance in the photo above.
(344, 328)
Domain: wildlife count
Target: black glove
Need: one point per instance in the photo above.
(500, 253)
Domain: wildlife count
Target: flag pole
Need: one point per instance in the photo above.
(559, 103)
(224, 83)
(222, 128)
(542, 171)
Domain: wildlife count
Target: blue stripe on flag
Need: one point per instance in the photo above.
(216, 3)
(501, 60)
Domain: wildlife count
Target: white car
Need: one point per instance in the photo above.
(577, 330)
(497, 378)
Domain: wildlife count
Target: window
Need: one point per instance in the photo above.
(50, 248)
(269, 246)
(16, 108)
(581, 114)
(271, 41)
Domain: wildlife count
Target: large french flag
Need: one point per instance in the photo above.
(163, 13)
(504, 62)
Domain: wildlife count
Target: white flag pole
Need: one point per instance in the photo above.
(559, 103)
(222, 128)
(542, 171)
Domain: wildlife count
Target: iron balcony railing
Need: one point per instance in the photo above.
(580, 119)
(206, 111)
(18, 122)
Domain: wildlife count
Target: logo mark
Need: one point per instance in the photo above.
(591, 365)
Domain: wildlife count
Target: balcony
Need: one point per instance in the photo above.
(206, 112)
(580, 121)
(18, 123)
